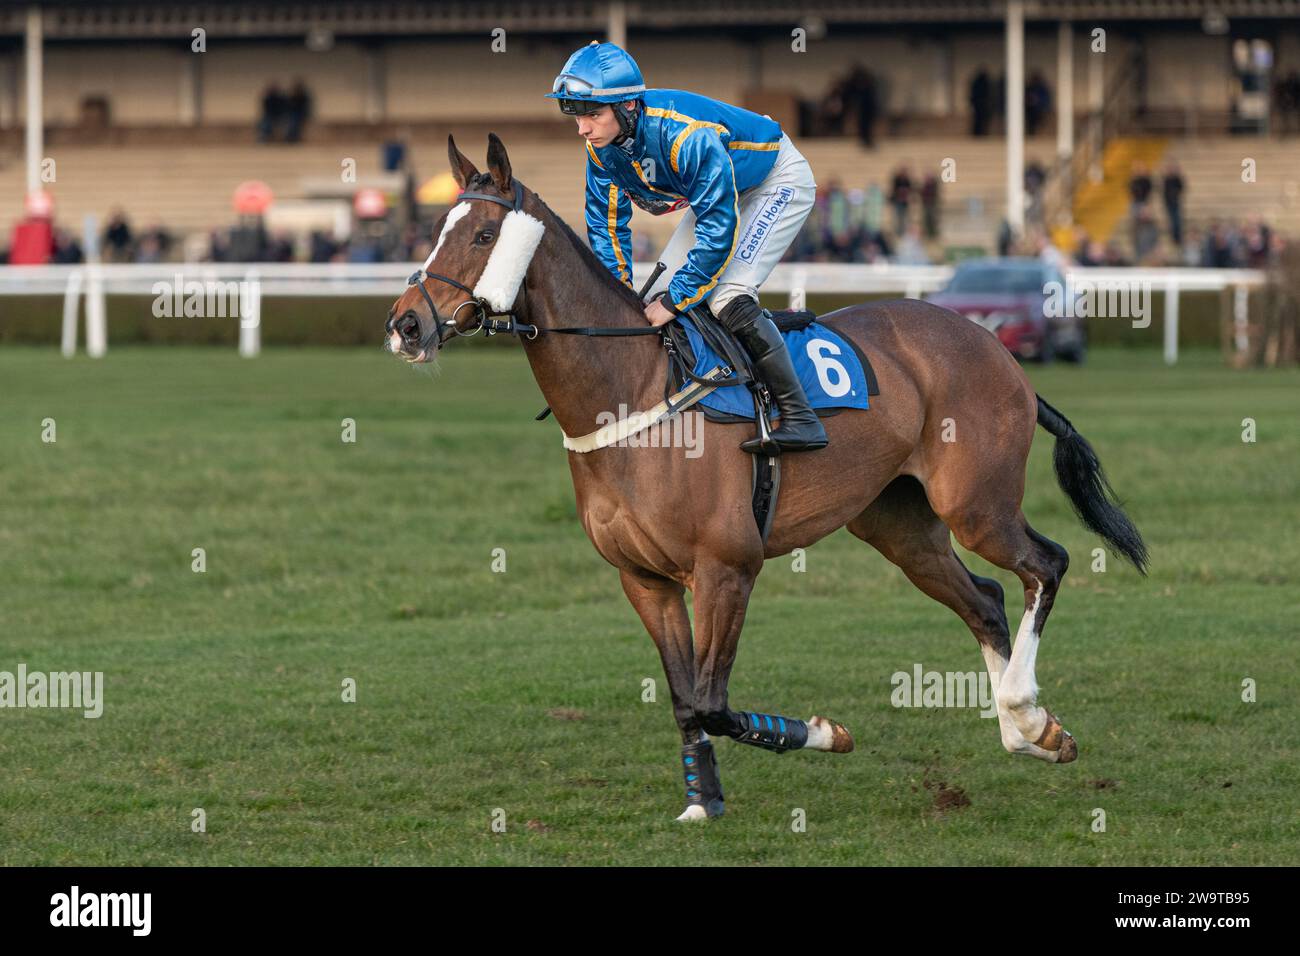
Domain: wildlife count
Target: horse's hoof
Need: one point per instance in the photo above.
(1069, 749)
(697, 811)
(1056, 739)
(829, 735)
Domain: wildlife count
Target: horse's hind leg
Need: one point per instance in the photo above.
(658, 601)
(1002, 536)
(902, 526)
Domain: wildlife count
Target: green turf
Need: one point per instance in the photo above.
(522, 691)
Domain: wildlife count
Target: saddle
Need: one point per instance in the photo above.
(738, 370)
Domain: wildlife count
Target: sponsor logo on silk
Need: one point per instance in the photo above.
(761, 225)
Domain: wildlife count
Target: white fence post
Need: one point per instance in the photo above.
(1171, 323)
(250, 316)
(71, 313)
(96, 320)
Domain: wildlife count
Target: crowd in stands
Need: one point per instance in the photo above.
(851, 225)
(855, 99)
(987, 98)
(284, 113)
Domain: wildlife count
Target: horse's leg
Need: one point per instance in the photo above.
(902, 526)
(721, 594)
(658, 602)
(1000, 534)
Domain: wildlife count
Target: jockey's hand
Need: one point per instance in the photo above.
(657, 314)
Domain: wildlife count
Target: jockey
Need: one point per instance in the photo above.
(747, 188)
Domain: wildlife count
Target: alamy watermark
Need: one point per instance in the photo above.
(683, 430)
(922, 688)
(1100, 298)
(82, 690)
(208, 299)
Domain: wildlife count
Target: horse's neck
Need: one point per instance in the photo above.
(585, 377)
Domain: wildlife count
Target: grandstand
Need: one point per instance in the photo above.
(133, 117)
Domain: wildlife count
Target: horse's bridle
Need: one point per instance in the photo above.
(485, 317)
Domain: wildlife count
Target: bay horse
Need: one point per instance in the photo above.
(941, 453)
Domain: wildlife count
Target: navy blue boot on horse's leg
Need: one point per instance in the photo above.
(779, 734)
(703, 785)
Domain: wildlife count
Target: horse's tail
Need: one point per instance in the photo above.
(1080, 476)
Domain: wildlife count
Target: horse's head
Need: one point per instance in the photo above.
(477, 266)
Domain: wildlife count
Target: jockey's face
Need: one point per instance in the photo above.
(600, 128)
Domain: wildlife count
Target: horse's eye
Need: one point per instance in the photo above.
(485, 237)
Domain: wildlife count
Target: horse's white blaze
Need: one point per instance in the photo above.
(1017, 692)
(454, 215)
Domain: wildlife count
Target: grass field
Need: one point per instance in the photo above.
(522, 691)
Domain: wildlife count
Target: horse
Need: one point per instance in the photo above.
(940, 454)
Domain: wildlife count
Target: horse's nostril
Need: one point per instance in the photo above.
(410, 328)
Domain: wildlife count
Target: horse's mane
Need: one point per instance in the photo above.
(590, 258)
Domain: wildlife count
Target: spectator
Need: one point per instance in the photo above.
(930, 205)
(1035, 179)
(1093, 254)
(1038, 102)
(1255, 243)
(1139, 185)
(1006, 238)
(981, 102)
(1217, 252)
(67, 250)
(1286, 102)
(1173, 189)
(322, 247)
(274, 106)
(118, 240)
(154, 244)
(1292, 83)
(1140, 188)
(1146, 234)
(297, 111)
(1190, 254)
(1040, 243)
(911, 250)
(900, 197)
(863, 87)
(873, 210)
(834, 107)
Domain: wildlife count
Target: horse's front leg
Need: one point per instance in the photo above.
(658, 601)
(721, 595)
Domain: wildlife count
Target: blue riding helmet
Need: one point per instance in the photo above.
(594, 75)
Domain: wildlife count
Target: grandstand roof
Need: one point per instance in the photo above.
(111, 19)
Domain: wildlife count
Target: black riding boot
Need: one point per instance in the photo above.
(801, 429)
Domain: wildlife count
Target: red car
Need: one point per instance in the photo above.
(1009, 298)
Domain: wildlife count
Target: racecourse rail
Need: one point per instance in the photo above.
(95, 281)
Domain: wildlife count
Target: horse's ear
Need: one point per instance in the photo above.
(461, 167)
(499, 163)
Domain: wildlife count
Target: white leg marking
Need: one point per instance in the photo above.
(1018, 691)
(820, 734)
(694, 812)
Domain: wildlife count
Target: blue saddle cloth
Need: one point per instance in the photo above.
(829, 367)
